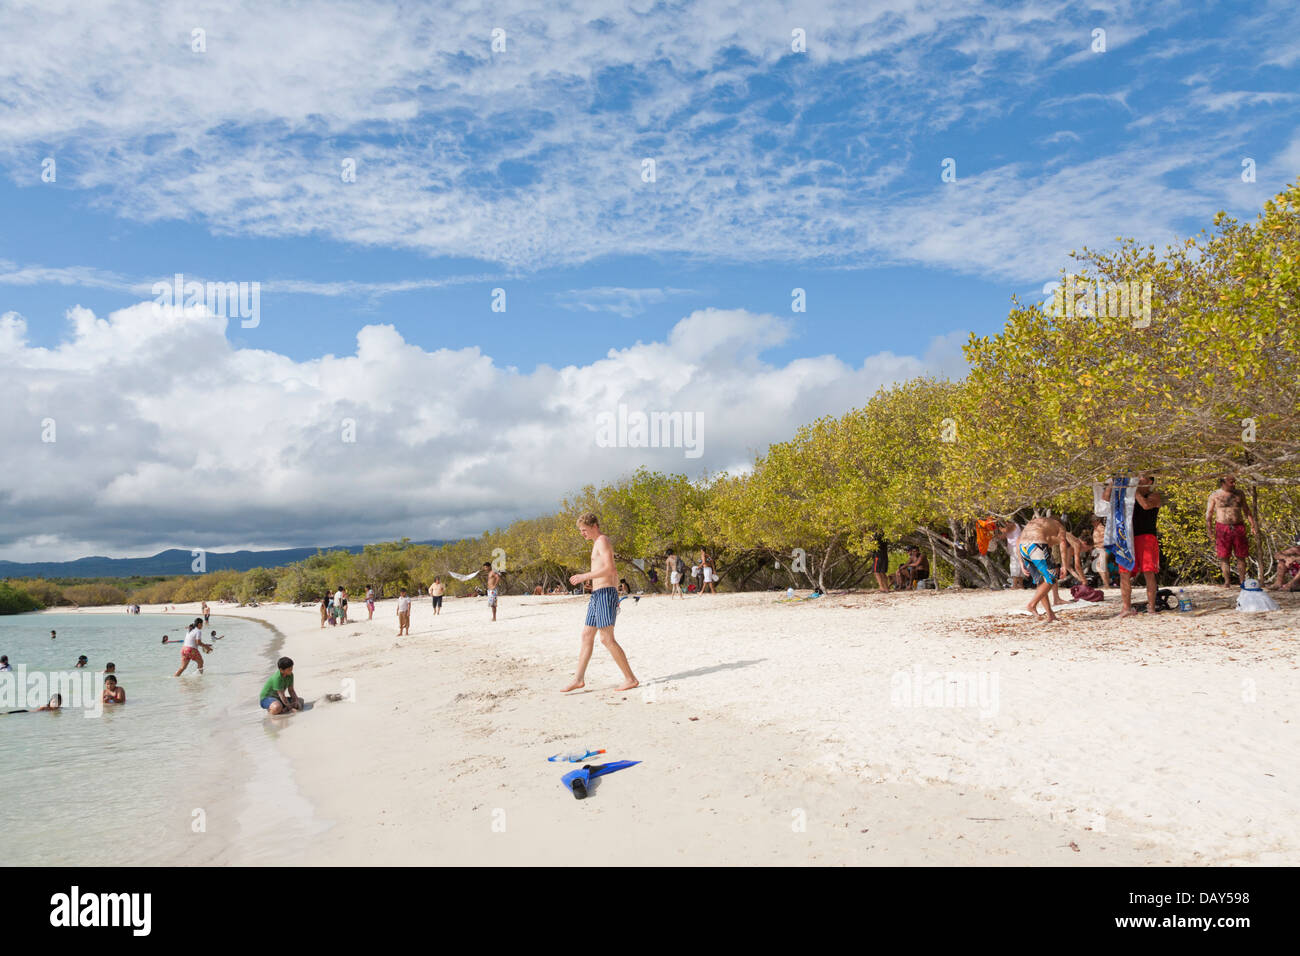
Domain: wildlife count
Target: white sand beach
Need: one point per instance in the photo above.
(917, 728)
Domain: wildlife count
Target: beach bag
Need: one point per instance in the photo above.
(1253, 599)
(1083, 592)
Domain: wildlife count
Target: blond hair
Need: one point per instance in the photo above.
(588, 519)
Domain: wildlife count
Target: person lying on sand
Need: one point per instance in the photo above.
(602, 609)
(1036, 542)
(278, 696)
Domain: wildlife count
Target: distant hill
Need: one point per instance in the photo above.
(166, 563)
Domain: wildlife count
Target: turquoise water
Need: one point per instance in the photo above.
(124, 785)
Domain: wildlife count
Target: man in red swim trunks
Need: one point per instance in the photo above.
(1146, 546)
(1225, 515)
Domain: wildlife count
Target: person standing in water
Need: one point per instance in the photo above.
(190, 651)
(602, 608)
(112, 693)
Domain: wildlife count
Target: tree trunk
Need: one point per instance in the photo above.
(1259, 535)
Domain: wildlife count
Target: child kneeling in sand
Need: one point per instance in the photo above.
(278, 695)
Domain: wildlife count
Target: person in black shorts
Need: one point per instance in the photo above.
(880, 563)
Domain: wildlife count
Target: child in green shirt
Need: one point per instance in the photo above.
(278, 695)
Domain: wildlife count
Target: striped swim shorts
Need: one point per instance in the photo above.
(602, 608)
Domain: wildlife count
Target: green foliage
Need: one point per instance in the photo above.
(15, 600)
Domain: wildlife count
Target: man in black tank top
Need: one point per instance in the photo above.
(1146, 547)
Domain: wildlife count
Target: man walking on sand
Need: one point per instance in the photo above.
(1035, 546)
(602, 609)
(1225, 515)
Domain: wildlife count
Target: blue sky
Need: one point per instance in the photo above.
(522, 169)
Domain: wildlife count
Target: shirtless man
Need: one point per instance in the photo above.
(1036, 542)
(1224, 521)
(602, 609)
(493, 586)
(674, 567)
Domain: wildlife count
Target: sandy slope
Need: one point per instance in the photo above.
(814, 732)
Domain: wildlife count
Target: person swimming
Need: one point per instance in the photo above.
(112, 693)
(81, 661)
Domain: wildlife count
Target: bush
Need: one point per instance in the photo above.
(94, 595)
(47, 593)
(16, 601)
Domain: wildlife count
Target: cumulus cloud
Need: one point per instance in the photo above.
(168, 434)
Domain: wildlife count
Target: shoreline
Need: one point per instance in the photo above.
(1111, 743)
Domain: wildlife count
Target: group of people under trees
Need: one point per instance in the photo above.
(1226, 517)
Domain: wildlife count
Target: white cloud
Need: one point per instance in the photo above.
(616, 299)
(248, 137)
(167, 434)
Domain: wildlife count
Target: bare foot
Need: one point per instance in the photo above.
(576, 685)
(628, 685)
(1128, 612)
